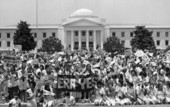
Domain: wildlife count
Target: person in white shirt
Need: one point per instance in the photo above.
(15, 102)
(68, 100)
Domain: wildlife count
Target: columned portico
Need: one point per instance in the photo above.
(83, 30)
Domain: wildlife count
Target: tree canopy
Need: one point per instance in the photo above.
(51, 44)
(143, 39)
(113, 45)
(24, 37)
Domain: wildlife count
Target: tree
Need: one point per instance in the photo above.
(143, 39)
(51, 44)
(24, 37)
(113, 45)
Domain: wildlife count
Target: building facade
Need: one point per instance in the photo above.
(84, 30)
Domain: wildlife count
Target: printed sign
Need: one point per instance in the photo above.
(128, 52)
(7, 52)
(11, 59)
(74, 83)
(18, 48)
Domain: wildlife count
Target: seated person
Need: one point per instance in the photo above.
(68, 100)
(15, 102)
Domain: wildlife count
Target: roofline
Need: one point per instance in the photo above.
(133, 26)
(109, 26)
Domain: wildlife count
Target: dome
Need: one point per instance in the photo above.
(83, 13)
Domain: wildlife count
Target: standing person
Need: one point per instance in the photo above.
(167, 92)
(87, 71)
(13, 83)
(23, 85)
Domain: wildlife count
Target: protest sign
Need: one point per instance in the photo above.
(10, 59)
(6, 52)
(128, 52)
(18, 48)
(76, 83)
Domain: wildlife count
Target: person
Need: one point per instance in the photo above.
(167, 92)
(31, 98)
(100, 92)
(15, 102)
(23, 84)
(48, 98)
(69, 100)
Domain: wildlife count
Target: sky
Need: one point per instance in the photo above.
(118, 12)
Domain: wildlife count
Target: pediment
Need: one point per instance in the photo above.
(83, 22)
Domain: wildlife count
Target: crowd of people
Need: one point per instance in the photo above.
(138, 78)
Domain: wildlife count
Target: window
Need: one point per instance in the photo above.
(44, 35)
(123, 42)
(83, 33)
(158, 42)
(76, 45)
(166, 42)
(35, 35)
(123, 34)
(36, 43)
(8, 35)
(76, 33)
(166, 34)
(131, 34)
(113, 33)
(0, 43)
(158, 34)
(53, 34)
(90, 33)
(8, 44)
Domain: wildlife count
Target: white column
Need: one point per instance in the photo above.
(87, 40)
(94, 40)
(61, 36)
(79, 40)
(101, 33)
(72, 41)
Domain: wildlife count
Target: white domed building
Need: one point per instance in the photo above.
(83, 29)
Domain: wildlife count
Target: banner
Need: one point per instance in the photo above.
(11, 59)
(6, 52)
(76, 83)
